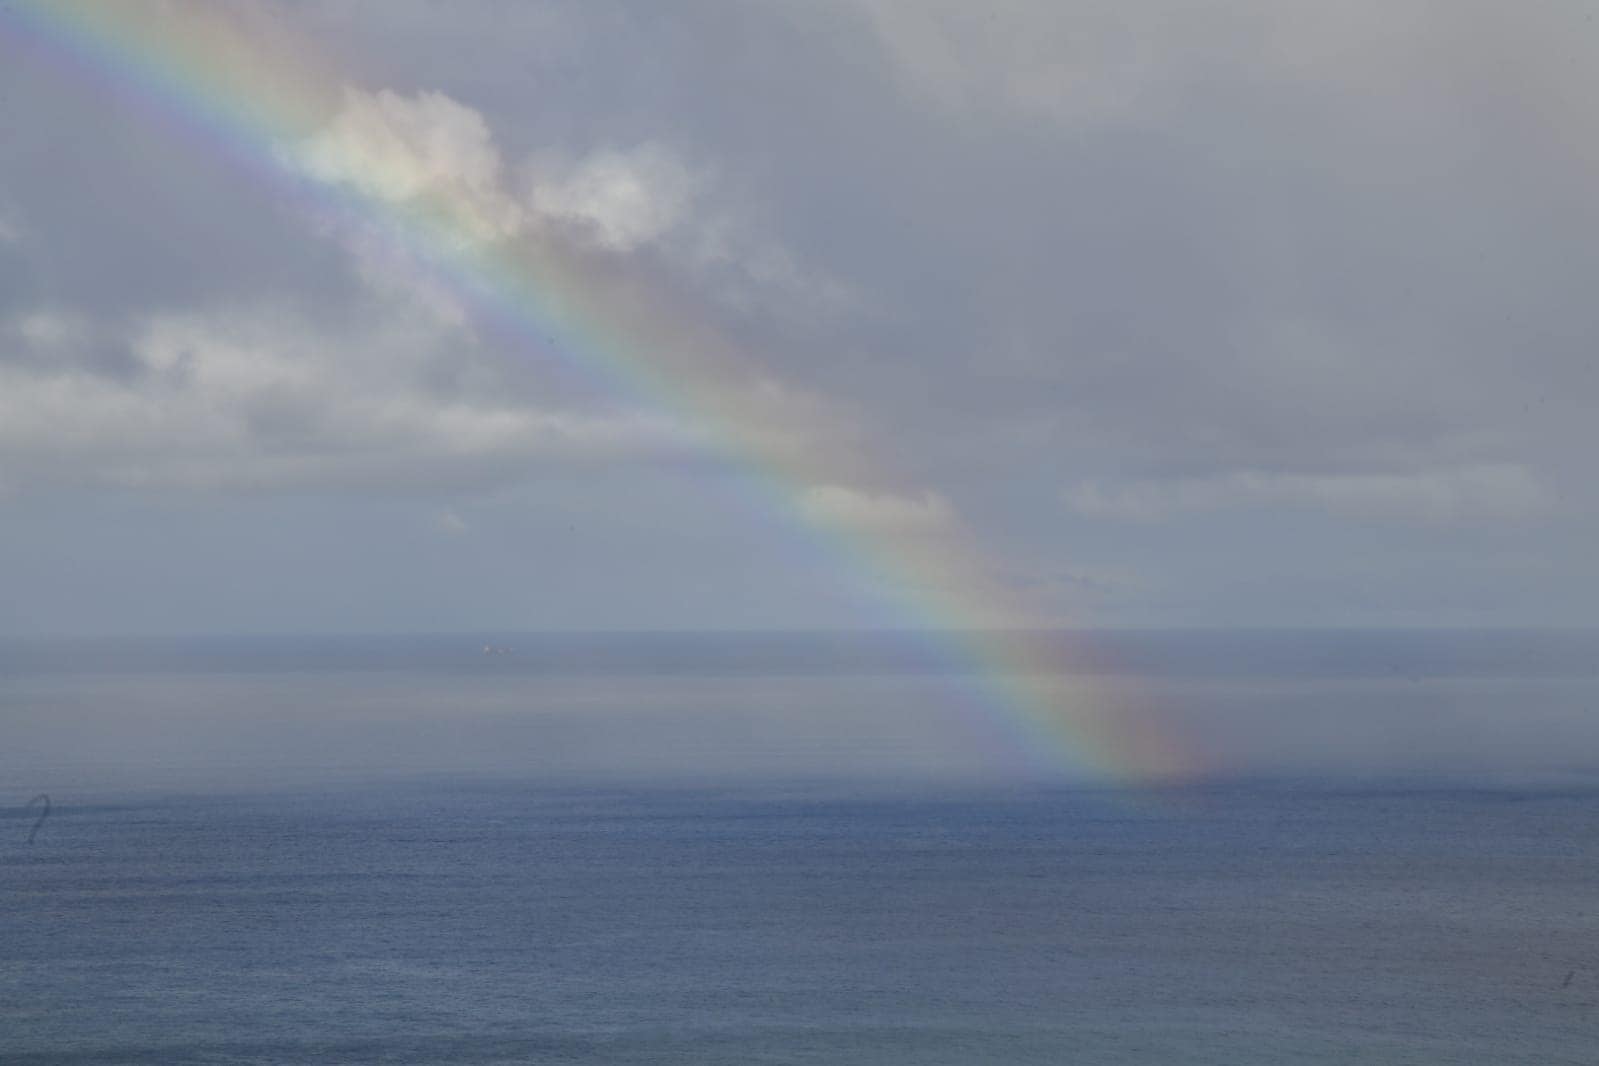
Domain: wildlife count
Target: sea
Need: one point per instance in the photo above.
(794, 848)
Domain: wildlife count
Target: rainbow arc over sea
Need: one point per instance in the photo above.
(241, 85)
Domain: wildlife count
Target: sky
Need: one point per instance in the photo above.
(1138, 313)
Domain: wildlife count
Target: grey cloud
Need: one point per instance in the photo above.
(1491, 492)
(1074, 63)
(122, 214)
(1241, 266)
(1291, 249)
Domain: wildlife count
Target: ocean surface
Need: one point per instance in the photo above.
(663, 852)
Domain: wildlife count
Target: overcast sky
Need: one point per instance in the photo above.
(1238, 313)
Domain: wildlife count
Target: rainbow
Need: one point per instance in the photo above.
(240, 85)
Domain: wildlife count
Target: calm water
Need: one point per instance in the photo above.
(504, 923)
(242, 885)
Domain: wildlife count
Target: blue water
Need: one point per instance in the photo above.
(450, 923)
(375, 861)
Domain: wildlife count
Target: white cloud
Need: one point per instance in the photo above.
(650, 197)
(396, 393)
(47, 330)
(1483, 491)
(923, 512)
(437, 157)
(618, 200)
(264, 398)
(425, 150)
